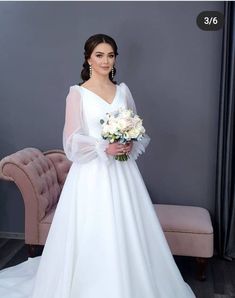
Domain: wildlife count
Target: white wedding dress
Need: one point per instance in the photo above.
(105, 240)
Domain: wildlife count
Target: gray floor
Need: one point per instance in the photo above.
(220, 282)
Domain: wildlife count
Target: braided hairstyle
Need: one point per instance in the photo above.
(89, 46)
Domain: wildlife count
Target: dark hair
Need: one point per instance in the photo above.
(89, 46)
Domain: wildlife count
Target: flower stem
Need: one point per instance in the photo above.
(122, 157)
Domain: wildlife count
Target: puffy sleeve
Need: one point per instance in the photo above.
(138, 146)
(77, 144)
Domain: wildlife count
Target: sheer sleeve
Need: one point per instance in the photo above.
(77, 144)
(138, 146)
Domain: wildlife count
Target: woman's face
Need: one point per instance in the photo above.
(102, 59)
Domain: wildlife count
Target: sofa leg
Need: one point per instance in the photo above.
(201, 268)
(34, 250)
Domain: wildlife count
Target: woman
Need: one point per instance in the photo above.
(105, 240)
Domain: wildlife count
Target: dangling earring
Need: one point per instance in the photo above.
(90, 70)
(112, 72)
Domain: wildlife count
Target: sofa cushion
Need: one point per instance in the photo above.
(188, 229)
(184, 218)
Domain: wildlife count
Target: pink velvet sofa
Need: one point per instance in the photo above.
(40, 178)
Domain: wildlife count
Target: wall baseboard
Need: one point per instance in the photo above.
(12, 235)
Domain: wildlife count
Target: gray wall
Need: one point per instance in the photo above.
(171, 66)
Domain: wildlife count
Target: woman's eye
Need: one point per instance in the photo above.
(111, 56)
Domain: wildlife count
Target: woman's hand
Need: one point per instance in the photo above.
(117, 148)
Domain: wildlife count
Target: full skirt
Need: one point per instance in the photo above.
(105, 241)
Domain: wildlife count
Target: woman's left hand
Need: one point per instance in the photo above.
(127, 147)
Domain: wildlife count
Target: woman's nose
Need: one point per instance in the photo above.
(105, 59)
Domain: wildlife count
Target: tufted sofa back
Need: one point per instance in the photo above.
(39, 175)
(61, 164)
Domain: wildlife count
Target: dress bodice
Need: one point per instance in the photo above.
(82, 140)
(95, 108)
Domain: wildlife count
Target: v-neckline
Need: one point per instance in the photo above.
(102, 99)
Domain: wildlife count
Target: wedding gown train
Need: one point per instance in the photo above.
(105, 240)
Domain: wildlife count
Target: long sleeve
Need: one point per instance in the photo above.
(78, 145)
(138, 146)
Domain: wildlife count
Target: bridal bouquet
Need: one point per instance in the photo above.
(122, 126)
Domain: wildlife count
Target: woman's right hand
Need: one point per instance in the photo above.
(117, 148)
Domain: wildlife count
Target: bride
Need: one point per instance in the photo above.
(105, 240)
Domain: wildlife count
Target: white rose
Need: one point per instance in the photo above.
(133, 133)
(112, 128)
(121, 125)
(126, 114)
